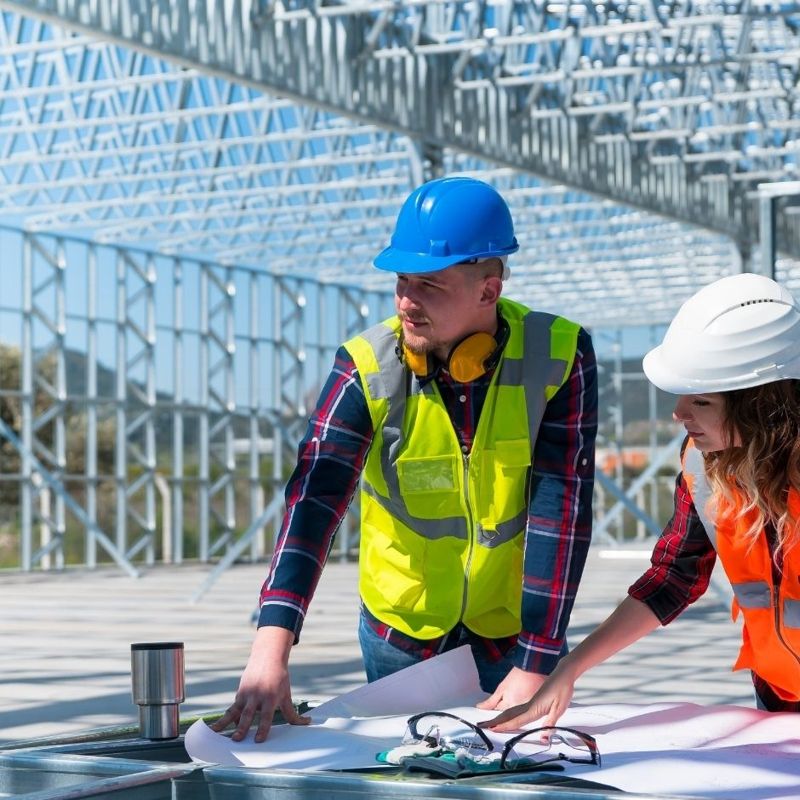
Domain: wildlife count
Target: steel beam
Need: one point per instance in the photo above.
(534, 86)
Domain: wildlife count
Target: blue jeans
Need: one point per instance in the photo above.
(382, 659)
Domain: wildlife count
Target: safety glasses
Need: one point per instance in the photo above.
(448, 733)
(440, 729)
(542, 745)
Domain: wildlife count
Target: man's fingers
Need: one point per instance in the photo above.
(491, 702)
(245, 721)
(230, 715)
(264, 725)
(265, 719)
(291, 714)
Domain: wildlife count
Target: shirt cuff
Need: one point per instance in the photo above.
(665, 608)
(537, 653)
(279, 616)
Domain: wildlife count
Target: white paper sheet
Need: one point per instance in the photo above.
(678, 749)
(726, 752)
(309, 747)
(450, 679)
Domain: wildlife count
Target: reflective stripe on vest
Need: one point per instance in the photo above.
(771, 608)
(542, 371)
(751, 594)
(694, 472)
(791, 613)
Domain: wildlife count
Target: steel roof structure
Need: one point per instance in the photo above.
(630, 138)
(192, 193)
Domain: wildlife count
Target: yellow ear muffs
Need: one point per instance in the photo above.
(468, 359)
(416, 362)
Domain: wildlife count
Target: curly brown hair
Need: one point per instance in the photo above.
(767, 464)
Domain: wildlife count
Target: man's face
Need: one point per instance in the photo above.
(438, 309)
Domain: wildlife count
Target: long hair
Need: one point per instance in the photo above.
(762, 469)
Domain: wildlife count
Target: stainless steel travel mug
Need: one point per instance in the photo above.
(157, 678)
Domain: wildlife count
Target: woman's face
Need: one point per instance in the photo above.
(703, 415)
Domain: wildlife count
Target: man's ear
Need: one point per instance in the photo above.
(492, 289)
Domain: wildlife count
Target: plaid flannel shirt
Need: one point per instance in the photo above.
(330, 459)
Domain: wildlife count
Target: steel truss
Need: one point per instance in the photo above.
(261, 213)
(679, 108)
(130, 149)
(197, 376)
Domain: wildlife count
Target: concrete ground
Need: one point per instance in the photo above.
(65, 656)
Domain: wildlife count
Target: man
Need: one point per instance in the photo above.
(471, 422)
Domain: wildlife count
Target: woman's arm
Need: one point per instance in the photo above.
(630, 621)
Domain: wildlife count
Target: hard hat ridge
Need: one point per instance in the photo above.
(448, 221)
(740, 331)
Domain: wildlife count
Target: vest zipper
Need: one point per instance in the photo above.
(471, 543)
(776, 604)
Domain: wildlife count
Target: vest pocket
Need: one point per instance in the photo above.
(394, 571)
(430, 486)
(503, 480)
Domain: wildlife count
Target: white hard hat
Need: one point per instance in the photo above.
(740, 331)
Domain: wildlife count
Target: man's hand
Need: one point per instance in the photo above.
(264, 686)
(517, 687)
(547, 704)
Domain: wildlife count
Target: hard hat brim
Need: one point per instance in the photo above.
(665, 377)
(393, 260)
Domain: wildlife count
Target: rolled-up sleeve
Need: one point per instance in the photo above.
(681, 563)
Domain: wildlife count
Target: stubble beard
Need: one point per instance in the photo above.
(418, 344)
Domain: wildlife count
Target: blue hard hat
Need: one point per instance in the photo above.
(447, 221)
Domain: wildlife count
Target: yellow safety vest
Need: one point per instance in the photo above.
(441, 531)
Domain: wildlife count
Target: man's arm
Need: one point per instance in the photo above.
(330, 458)
(560, 514)
(559, 527)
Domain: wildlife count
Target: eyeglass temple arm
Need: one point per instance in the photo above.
(411, 722)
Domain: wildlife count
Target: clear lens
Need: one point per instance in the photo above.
(550, 744)
(451, 734)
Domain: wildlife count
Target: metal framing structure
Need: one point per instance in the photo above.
(216, 176)
(284, 135)
(236, 354)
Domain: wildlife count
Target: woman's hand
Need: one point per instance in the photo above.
(548, 703)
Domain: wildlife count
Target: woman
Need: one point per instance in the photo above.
(732, 353)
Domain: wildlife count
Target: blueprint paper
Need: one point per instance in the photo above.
(311, 747)
(727, 752)
(450, 679)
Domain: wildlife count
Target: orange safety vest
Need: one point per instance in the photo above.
(770, 606)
